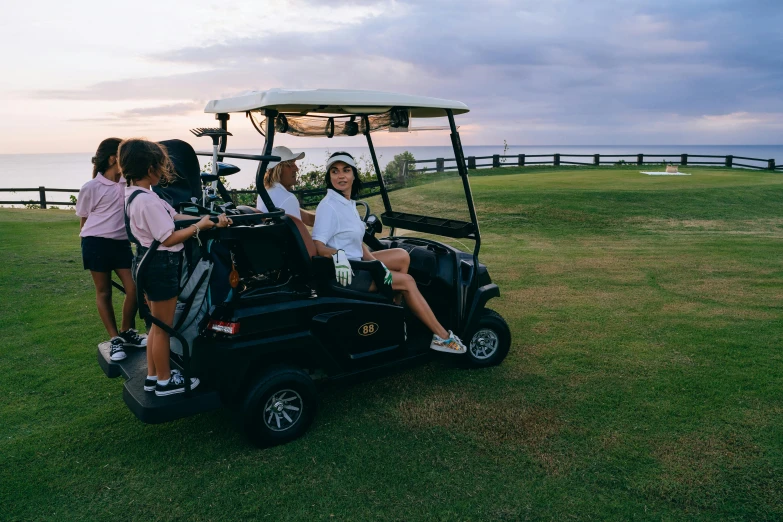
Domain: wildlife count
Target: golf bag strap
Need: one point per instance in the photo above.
(131, 237)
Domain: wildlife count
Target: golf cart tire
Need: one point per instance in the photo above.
(279, 406)
(489, 342)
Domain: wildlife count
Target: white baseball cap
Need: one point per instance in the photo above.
(340, 157)
(285, 154)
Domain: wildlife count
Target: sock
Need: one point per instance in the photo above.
(152, 377)
(164, 383)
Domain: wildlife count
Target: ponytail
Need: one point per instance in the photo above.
(107, 149)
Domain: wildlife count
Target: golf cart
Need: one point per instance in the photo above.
(277, 324)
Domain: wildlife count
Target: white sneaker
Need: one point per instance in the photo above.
(450, 345)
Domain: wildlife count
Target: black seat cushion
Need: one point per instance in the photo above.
(186, 182)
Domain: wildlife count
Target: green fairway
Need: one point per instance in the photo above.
(645, 378)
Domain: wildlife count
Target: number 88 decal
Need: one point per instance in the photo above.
(368, 329)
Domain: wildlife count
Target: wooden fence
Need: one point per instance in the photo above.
(524, 160)
(310, 197)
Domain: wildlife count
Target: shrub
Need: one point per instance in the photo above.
(395, 167)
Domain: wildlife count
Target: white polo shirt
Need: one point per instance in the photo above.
(282, 199)
(338, 225)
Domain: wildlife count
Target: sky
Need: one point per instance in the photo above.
(560, 72)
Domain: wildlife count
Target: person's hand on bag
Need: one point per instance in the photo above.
(342, 268)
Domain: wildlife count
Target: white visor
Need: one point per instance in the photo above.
(340, 157)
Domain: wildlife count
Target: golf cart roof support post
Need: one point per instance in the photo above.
(459, 156)
(270, 114)
(223, 119)
(381, 184)
(463, 172)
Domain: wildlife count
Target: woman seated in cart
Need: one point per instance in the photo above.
(339, 231)
(279, 179)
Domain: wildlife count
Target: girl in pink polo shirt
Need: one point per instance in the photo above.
(144, 163)
(105, 245)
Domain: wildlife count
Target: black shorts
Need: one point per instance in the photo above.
(161, 281)
(361, 281)
(101, 254)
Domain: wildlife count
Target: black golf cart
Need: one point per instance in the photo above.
(286, 325)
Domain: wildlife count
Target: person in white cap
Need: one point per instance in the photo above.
(339, 232)
(279, 179)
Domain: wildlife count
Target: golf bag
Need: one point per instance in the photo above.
(204, 283)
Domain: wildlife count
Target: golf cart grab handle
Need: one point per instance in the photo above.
(242, 219)
(240, 156)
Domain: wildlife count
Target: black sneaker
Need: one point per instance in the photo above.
(175, 385)
(133, 339)
(149, 384)
(117, 352)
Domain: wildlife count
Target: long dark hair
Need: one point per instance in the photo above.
(107, 149)
(137, 157)
(357, 182)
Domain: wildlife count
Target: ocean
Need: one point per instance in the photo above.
(71, 171)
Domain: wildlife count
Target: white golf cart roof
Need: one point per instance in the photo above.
(334, 101)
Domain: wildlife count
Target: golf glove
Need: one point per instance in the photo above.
(387, 278)
(342, 268)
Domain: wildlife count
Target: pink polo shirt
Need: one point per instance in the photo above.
(151, 218)
(101, 202)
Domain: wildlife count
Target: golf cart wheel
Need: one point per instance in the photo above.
(489, 343)
(279, 406)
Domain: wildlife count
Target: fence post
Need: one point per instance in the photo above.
(495, 161)
(521, 160)
(234, 196)
(596, 159)
(684, 159)
(439, 164)
(729, 160)
(639, 159)
(557, 160)
(472, 162)
(771, 164)
(42, 196)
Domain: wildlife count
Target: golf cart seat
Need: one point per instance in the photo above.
(322, 270)
(186, 183)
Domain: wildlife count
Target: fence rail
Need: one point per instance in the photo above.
(310, 197)
(522, 160)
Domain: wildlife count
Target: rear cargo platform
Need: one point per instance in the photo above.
(148, 407)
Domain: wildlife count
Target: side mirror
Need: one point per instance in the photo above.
(374, 225)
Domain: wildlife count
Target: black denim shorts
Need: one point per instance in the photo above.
(161, 278)
(101, 254)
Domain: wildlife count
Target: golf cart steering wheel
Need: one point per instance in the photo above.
(366, 210)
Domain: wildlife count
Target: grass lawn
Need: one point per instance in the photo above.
(645, 379)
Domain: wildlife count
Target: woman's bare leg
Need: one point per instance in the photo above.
(129, 307)
(395, 259)
(161, 348)
(102, 281)
(405, 284)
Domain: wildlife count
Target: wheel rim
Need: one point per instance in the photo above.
(283, 410)
(484, 344)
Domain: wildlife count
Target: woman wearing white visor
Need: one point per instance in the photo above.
(279, 179)
(339, 232)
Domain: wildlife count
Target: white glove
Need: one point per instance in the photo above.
(387, 278)
(342, 268)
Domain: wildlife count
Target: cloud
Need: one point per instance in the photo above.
(141, 114)
(562, 66)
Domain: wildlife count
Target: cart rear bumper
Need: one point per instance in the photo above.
(146, 406)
